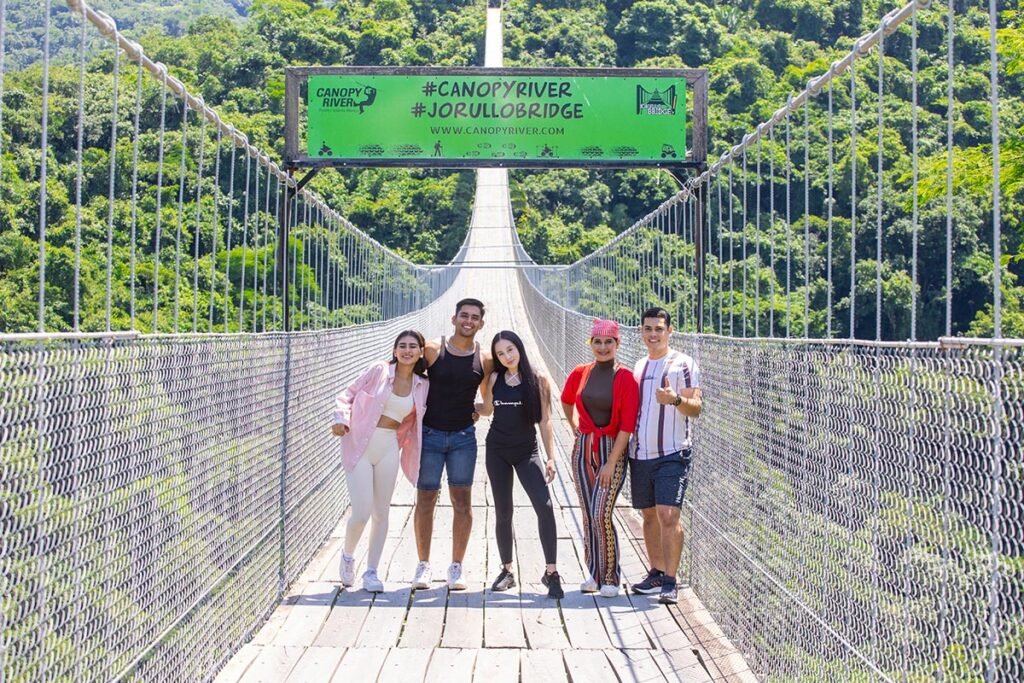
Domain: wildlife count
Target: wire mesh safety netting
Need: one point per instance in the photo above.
(856, 510)
(158, 494)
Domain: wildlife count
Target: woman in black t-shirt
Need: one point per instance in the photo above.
(519, 398)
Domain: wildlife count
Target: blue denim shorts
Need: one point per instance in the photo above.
(660, 481)
(455, 451)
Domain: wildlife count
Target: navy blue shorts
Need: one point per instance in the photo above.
(455, 451)
(660, 481)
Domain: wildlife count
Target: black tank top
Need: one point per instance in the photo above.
(511, 426)
(453, 384)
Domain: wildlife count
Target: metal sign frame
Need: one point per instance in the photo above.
(296, 78)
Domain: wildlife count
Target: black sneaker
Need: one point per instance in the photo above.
(651, 585)
(505, 580)
(554, 583)
(669, 594)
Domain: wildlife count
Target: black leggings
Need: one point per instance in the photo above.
(529, 467)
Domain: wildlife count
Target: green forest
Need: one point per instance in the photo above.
(757, 52)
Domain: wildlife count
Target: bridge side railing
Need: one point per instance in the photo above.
(844, 189)
(855, 504)
(141, 208)
(166, 464)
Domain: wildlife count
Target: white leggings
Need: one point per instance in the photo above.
(370, 485)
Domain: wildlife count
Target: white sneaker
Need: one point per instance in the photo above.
(455, 581)
(609, 590)
(588, 586)
(422, 577)
(371, 583)
(347, 569)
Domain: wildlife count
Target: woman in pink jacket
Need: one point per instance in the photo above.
(379, 418)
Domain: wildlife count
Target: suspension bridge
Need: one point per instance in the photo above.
(173, 500)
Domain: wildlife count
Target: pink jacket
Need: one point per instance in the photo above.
(361, 405)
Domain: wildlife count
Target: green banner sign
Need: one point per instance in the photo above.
(502, 119)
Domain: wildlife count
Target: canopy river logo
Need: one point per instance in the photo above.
(656, 102)
(346, 98)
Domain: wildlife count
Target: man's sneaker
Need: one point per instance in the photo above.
(651, 585)
(347, 569)
(554, 583)
(669, 595)
(505, 580)
(588, 586)
(455, 581)
(422, 577)
(609, 590)
(371, 583)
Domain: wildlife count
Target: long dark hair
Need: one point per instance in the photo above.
(531, 394)
(421, 365)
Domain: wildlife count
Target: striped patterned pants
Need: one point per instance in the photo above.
(600, 542)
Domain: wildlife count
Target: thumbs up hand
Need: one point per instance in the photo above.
(665, 395)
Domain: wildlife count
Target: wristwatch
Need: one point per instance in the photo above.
(679, 400)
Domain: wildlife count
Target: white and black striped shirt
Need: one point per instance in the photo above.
(661, 430)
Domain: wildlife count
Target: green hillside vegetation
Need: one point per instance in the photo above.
(757, 52)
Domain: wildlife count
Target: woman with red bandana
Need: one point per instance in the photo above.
(601, 401)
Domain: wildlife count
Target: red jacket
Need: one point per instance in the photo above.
(625, 401)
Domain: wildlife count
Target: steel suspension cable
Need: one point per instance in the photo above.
(181, 217)
(135, 183)
(159, 202)
(79, 143)
(44, 148)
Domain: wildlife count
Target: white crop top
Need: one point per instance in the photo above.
(398, 407)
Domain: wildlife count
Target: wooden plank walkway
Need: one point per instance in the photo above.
(324, 632)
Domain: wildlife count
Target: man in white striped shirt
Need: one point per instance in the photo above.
(661, 450)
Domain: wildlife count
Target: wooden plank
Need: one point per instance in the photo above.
(681, 665)
(624, 627)
(236, 666)
(277, 618)
(503, 617)
(343, 624)
(583, 622)
(307, 614)
(542, 619)
(657, 620)
(635, 666)
(273, 664)
(542, 666)
(405, 492)
(360, 664)
(464, 620)
(425, 621)
(324, 565)
(400, 517)
(317, 665)
(451, 665)
(404, 664)
(497, 666)
(400, 564)
(589, 665)
(384, 622)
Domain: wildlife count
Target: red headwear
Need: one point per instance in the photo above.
(605, 328)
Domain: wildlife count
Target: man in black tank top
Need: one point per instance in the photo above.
(456, 368)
